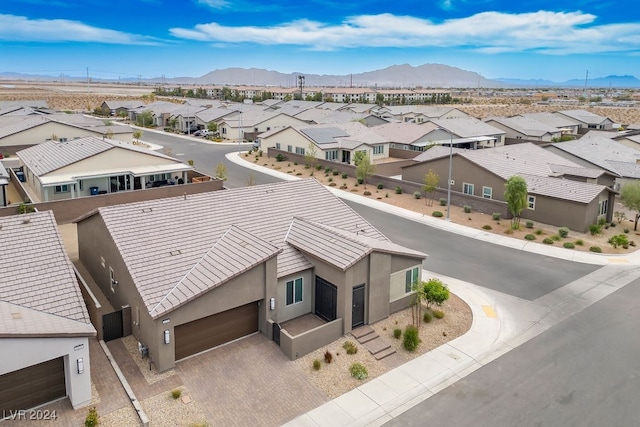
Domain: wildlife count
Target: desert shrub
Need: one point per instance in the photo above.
(487, 227)
(359, 371)
(529, 224)
(563, 232)
(602, 221)
(345, 176)
(467, 209)
(496, 216)
(318, 167)
(327, 169)
(360, 181)
(443, 201)
(619, 240)
(398, 190)
(330, 179)
(350, 347)
(343, 187)
(595, 249)
(626, 230)
(92, 418)
(437, 214)
(380, 186)
(530, 237)
(438, 314)
(579, 242)
(435, 292)
(632, 243)
(332, 184)
(508, 231)
(335, 173)
(280, 158)
(595, 229)
(539, 232)
(555, 238)
(328, 357)
(548, 241)
(317, 365)
(397, 332)
(427, 316)
(298, 173)
(411, 338)
(367, 193)
(568, 245)
(417, 195)
(176, 393)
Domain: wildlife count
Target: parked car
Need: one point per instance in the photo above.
(201, 132)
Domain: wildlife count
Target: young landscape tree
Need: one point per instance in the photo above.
(430, 182)
(364, 167)
(311, 155)
(630, 195)
(516, 196)
(221, 171)
(434, 292)
(137, 134)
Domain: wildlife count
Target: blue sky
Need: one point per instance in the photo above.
(554, 40)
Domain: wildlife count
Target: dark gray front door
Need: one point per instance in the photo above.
(112, 326)
(357, 310)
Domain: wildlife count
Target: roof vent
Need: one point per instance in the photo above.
(175, 253)
(16, 316)
(184, 195)
(145, 210)
(26, 220)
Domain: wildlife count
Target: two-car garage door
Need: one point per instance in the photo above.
(203, 334)
(32, 386)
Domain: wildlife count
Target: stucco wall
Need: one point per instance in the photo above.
(286, 312)
(18, 353)
(306, 342)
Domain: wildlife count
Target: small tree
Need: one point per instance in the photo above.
(516, 197)
(108, 134)
(416, 303)
(434, 292)
(430, 182)
(123, 114)
(364, 168)
(137, 135)
(212, 127)
(221, 171)
(630, 195)
(311, 155)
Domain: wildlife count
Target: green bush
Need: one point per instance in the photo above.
(398, 190)
(487, 227)
(568, 245)
(417, 195)
(435, 292)
(579, 242)
(327, 169)
(176, 393)
(626, 230)
(563, 232)
(318, 167)
(555, 238)
(530, 237)
(443, 201)
(602, 221)
(496, 216)
(437, 214)
(92, 418)
(360, 181)
(427, 316)
(548, 241)
(411, 338)
(467, 209)
(345, 176)
(359, 371)
(595, 229)
(619, 240)
(380, 186)
(595, 249)
(397, 332)
(330, 179)
(335, 173)
(280, 158)
(350, 347)
(529, 224)
(539, 232)
(317, 365)
(438, 314)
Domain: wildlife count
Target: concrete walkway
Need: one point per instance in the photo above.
(500, 323)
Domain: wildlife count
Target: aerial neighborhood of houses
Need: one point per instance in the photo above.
(181, 287)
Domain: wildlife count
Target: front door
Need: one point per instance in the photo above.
(346, 156)
(326, 299)
(357, 309)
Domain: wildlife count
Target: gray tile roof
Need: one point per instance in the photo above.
(556, 120)
(17, 321)
(115, 104)
(467, 127)
(341, 135)
(525, 125)
(12, 125)
(147, 233)
(576, 171)
(605, 153)
(52, 155)
(35, 271)
(402, 132)
(436, 152)
(564, 189)
(584, 116)
(337, 247)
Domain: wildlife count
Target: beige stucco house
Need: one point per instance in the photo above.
(245, 260)
(90, 166)
(44, 324)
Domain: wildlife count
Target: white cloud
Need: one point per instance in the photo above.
(542, 31)
(215, 4)
(21, 28)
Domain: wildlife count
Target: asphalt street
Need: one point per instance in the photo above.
(585, 371)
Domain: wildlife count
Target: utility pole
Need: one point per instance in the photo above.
(87, 79)
(301, 80)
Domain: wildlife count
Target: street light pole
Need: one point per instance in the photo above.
(450, 167)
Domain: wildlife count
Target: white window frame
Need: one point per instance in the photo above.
(300, 150)
(531, 202)
(485, 194)
(59, 189)
(466, 186)
(603, 207)
(378, 149)
(289, 148)
(411, 276)
(295, 298)
(277, 145)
